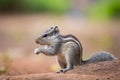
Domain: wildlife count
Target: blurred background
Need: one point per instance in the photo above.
(96, 23)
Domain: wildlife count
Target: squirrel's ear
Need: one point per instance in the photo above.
(56, 26)
(56, 30)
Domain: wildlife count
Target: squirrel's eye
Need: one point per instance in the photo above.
(45, 35)
(56, 31)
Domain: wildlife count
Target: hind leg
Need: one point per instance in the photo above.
(69, 62)
(61, 64)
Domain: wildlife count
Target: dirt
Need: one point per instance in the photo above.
(108, 70)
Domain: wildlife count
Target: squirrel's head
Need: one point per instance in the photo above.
(48, 36)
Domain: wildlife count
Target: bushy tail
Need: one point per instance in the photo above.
(100, 56)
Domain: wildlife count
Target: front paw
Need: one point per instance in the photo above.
(37, 51)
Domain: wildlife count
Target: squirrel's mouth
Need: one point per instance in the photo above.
(45, 46)
(42, 43)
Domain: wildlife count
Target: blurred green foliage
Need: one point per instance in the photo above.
(49, 6)
(52, 6)
(105, 9)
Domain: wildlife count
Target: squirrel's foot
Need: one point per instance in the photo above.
(62, 70)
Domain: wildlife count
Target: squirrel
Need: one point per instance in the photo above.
(67, 49)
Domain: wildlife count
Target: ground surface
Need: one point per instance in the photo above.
(109, 70)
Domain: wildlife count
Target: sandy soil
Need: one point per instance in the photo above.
(108, 70)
